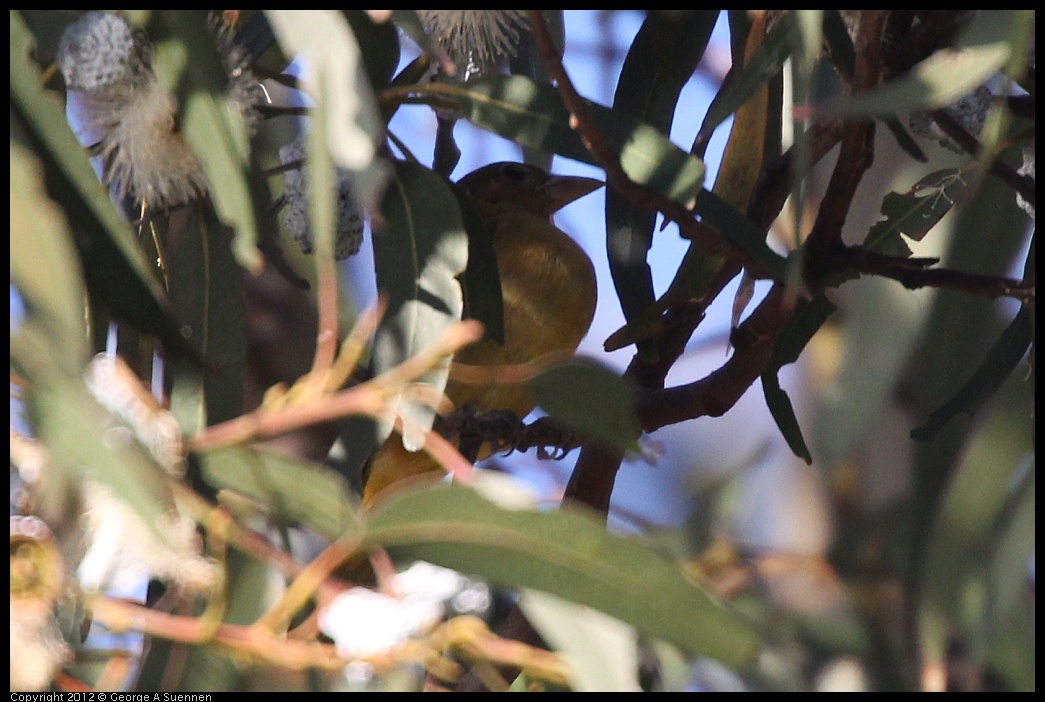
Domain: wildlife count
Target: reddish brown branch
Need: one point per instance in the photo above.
(715, 394)
(913, 275)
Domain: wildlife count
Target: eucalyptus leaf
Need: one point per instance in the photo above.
(355, 130)
(419, 250)
(207, 289)
(567, 553)
(784, 415)
(591, 399)
(980, 51)
(296, 491)
(602, 652)
(41, 242)
(533, 115)
(661, 60)
(189, 61)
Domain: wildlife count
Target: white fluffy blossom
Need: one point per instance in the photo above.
(475, 39)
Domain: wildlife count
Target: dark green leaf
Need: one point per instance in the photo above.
(784, 415)
(294, 490)
(566, 553)
(914, 213)
(1003, 358)
(207, 289)
(764, 66)
(112, 263)
(946, 75)
(44, 266)
(481, 281)
(532, 114)
(807, 320)
(189, 61)
(741, 233)
(592, 399)
(419, 251)
(660, 62)
(378, 46)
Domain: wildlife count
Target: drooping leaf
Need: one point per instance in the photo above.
(784, 415)
(187, 59)
(481, 280)
(980, 51)
(914, 213)
(112, 263)
(741, 233)
(419, 251)
(660, 62)
(996, 367)
(378, 46)
(602, 652)
(296, 491)
(355, 128)
(566, 553)
(207, 290)
(532, 114)
(44, 265)
(591, 399)
(767, 62)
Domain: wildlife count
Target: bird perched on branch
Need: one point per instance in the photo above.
(548, 288)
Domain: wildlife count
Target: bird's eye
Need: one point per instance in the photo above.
(514, 172)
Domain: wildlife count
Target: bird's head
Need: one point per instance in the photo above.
(525, 186)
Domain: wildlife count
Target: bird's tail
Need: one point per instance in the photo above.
(392, 464)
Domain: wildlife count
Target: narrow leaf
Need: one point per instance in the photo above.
(355, 128)
(297, 491)
(592, 399)
(189, 61)
(999, 363)
(533, 115)
(784, 415)
(419, 251)
(566, 553)
(44, 265)
(981, 50)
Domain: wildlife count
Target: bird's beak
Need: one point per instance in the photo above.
(562, 190)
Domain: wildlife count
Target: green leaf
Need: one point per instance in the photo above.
(532, 114)
(419, 251)
(44, 266)
(741, 233)
(784, 415)
(378, 46)
(914, 213)
(592, 399)
(297, 491)
(660, 62)
(602, 652)
(980, 51)
(763, 67)
(996, 367)
(189, 62)
(355, 130)
(806, 321)
(207, 289)
(567, 553)
(111, 261)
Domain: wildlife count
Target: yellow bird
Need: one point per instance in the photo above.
(548, 287)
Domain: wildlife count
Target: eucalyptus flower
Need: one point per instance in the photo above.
(476, 39)
(348, 235)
